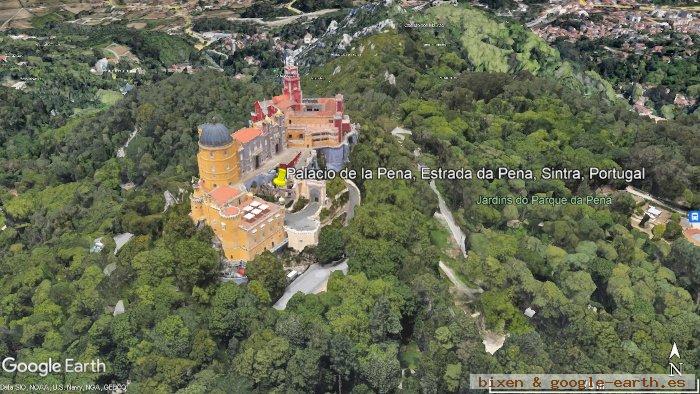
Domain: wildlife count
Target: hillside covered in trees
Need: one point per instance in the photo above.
(608, 298)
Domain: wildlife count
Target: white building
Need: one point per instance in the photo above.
(653, 212)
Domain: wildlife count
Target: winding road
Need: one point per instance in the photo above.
(308, 211)
(315, 278)
(283, 20)
(649, 197)
(312, 281)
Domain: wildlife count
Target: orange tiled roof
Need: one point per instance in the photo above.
(282, 102)
(691, 234)
(247, 134)
(223, 194)
(328, 106)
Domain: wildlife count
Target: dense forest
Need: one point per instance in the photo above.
(55, 64)
(608, 298)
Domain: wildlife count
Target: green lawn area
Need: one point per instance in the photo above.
(109, 97)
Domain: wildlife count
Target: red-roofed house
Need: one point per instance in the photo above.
(247, 134)
(225, 194)
(259, 143)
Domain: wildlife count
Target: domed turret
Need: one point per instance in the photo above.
(213, 135)
(217, 157)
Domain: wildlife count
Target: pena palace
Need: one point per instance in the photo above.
(245, 224)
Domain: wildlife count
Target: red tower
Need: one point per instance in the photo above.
(292, 83)
(339, 105)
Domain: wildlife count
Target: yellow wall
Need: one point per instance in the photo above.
(238, 243)
(197, 206)
(300, 137)
(245, 245)
(310, 118)
(218, 166)
(265, 235)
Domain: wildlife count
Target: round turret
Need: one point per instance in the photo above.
(214, 135)
(217, 158)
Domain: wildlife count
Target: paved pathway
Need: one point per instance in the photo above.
(354, 200)
(121, 240)
(312, 281)
(121, 152)
(290, 7)
(270, 164)
(459, 285)
(457, 233)
(649, 197)
(308, 211)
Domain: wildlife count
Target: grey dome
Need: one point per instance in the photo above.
(214, 135)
